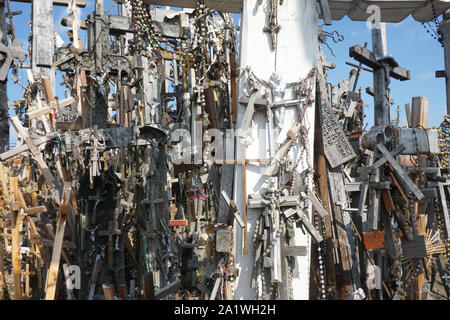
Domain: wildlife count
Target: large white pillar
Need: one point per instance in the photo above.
(294, 57)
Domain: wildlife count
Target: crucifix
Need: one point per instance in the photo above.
(273, 28)
(384, 67)
(270, 229)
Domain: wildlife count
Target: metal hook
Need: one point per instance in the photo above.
(335, 36)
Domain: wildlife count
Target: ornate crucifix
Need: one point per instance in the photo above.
(273, 26)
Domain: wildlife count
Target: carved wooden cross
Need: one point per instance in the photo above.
(381, 81)
(273, 28)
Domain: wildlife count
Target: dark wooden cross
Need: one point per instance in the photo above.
(383, 68)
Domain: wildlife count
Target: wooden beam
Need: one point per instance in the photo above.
(366, 57)
(244, 198)
(24, 148)
(419, 112)
(169, 289)
(52, 275)
(49, 178)
(108, 291)
(52, 235)
(15, 244)
(149, 288)
(65, 3)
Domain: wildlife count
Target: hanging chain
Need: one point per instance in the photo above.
(435, 34)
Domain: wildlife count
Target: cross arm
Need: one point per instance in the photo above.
(232, 205)
(402, 174)
(312, 231)
(366, 57)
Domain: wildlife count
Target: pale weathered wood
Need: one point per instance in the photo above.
(292, 134)
(49, 228)
(244, 199)
(23, 148)
(344, 229)
(419, 112)
(50, 179)
(52, 275)
(16, 261)
(232, 205)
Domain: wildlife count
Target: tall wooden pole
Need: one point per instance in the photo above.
(381, 101)
(43, 41)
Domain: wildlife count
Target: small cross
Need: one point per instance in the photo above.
(273, 28)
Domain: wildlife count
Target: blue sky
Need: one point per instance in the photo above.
(407, 41)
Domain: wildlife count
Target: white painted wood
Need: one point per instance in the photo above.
(294, 58)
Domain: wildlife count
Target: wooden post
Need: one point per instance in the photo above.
(52, 275)
(244, 198)
(419, 112)
(149, 289)
(381, 101)
(43, 41)
(17, 269)
(320, 166)
(108, 290)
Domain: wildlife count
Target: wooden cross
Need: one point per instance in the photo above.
(383, 66)
(273, 28)
(401, 174)
(22, 132)
(368, 58)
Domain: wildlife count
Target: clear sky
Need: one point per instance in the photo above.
(407, 42)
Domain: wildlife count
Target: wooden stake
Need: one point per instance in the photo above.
(52, 275)
(149, 289)
(17, 276)
(108, 291)
(244, 198)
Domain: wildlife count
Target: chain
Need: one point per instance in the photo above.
(444, 141)
(277, 236)
(398, 271)
(142, 23)
(435, 34)
(322, 252)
